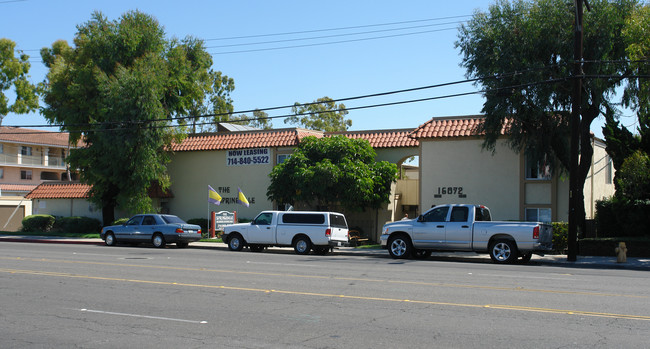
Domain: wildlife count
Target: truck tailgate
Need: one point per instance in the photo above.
(339, 234)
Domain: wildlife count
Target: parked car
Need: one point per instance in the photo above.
(305, 231)
(466, 228)
(159, 229)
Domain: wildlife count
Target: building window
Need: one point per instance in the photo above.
(26, 174)
(2, 173)
(283, 157)
(538, 215)
(2, 148)
(24, 150)
(609, 170)
(537, 170)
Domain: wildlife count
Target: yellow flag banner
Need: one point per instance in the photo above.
(213, 196)
(242, 198)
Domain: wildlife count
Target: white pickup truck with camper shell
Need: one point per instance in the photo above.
(303, 230)
(466, 228)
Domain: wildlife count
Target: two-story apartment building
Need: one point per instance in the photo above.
(27, 158)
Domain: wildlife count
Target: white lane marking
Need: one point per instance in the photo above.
(142, 316)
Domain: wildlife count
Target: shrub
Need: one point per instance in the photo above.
(42, 223)
(560, 237)
(619, 216)
(77, 225)
(120, 221)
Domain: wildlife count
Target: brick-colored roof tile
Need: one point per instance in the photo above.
(382, 138)
(75, 190)
(17, 187)
(25, 135)
(60, 191)
(450, 127)
(243, 140)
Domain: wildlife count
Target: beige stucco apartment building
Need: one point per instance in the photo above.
(453, 168)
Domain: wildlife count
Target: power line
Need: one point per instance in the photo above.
(331, 42)
(335, 29)
(331, 36)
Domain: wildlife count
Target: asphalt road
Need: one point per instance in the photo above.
(86, 296)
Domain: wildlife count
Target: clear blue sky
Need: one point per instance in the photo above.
(363, 64)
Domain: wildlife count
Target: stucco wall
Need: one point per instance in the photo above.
(462, 165)
(66, 208)
(598, 186)
(192, 172)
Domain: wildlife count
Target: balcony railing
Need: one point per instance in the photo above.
(31, 160)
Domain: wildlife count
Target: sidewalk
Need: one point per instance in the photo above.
(596, 262)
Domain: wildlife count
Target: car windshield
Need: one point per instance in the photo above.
(169, 219)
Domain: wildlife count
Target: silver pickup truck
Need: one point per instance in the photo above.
(466, 228)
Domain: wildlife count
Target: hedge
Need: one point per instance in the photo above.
(41, 223)
(77, 225)
(618, 217)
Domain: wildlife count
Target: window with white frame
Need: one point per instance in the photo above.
(2, 173)
(25, 150)
(2, 148)
(538, 215)
(537, 169)
(283, 157)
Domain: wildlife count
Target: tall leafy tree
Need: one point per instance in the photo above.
(335, 170)
(522, 51)
(323, 114)
(14, 73)
(117, 90)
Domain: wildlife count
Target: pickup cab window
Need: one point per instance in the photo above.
(459, 214)
(264, 219)
(436, 215)
(482, 214)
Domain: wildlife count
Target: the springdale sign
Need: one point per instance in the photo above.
(246, 157)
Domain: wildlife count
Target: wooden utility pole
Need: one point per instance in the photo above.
(575, 132)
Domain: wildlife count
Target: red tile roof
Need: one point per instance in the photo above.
(242, 140)
(75, 190)
(288, 138)
(464, 126)
(25, 135)
(60, 191)
(17, 187)
(382, 138)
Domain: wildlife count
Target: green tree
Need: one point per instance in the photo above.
(117, 90)
(634, 177)
(13, 72)
(323, 114)
(259, 120)
(217, 104)
(333, 170)
(523, 53)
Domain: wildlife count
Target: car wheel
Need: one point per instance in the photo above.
(158, 241)
(321, 250)
(110, 239)
(256, 248)
(182, 244)
(235, 242)
(503, 251)
(525, 258)
(400, 247)
(422, 254)
(302, 245)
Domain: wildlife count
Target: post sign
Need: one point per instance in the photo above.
(223, 218)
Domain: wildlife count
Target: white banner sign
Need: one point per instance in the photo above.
(243, 157)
